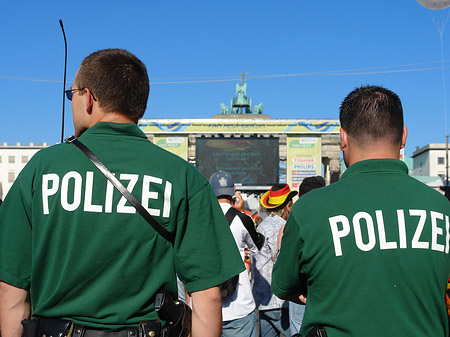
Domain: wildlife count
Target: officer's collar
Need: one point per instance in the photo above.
(110, 128)
(376, 165)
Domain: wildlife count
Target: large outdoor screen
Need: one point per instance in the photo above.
(251, 161)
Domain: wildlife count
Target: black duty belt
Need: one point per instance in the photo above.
(56, 327)
(82, 331)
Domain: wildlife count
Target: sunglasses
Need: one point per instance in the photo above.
(69, 93)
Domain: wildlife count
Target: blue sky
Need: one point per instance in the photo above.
(326, 47)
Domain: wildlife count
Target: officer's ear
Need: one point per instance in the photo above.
(89, 100)
(404, 136)
(344, 139)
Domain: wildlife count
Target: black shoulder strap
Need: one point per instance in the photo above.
(117, 184)
(230, 215)
(257, 238)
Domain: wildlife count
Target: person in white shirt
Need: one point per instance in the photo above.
(238, 310)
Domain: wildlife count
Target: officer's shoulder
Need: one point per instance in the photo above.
(316, 199)
(322, 192)
(53, 152)
(425, 192)
(174, 162)
(168, 156)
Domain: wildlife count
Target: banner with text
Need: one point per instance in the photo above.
(176, 145)
(152, 126)
(304, 159)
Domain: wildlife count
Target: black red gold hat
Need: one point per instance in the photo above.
(277, 196)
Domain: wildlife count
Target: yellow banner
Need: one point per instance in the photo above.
(304, 159)
(176, 144)
(155, 126)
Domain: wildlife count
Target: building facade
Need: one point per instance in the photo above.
(306, 147)
(13, 159)
(430, 160)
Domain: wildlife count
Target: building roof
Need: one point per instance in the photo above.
(429, 147)
(429, 180)
(23, 146)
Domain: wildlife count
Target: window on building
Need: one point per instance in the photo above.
(11, 159)
(11, 177)
(24, 159)
(0, 159)
(441, 160)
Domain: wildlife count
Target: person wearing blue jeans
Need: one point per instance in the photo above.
(296, 312)
(273, 322)
(245, 326)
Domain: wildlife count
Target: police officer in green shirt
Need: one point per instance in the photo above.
(370, 253)
(78, 248)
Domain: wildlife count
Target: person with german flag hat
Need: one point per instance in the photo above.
(273, 312)
(277, 197)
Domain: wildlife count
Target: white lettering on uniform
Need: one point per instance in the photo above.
(415, 241)
(167, 194)
(435, 227)
(447, 237)
(401, 228)
(147, 194)
(48, 191)
(338, 234)
(88, 206)
(382, 233)
(76, 191)
(370, 230)
(73, 181)
(109, 197)
(435, 231)
(121, 207)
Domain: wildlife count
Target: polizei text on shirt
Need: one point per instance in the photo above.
(75, 183)
(409, 223)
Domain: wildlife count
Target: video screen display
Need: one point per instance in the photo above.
(251, 161)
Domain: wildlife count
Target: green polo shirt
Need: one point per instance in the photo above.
(85, 253)
(372, 250)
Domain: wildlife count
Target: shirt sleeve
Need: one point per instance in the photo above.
(249, 241)
(15, 237)
(205, 251)
(285, 275)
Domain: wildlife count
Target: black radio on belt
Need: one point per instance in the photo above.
(177, 315)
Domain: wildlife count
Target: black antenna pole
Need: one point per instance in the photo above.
(64, 83)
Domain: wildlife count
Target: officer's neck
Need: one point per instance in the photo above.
(378, 150)
(112, 117)
(355, 150)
